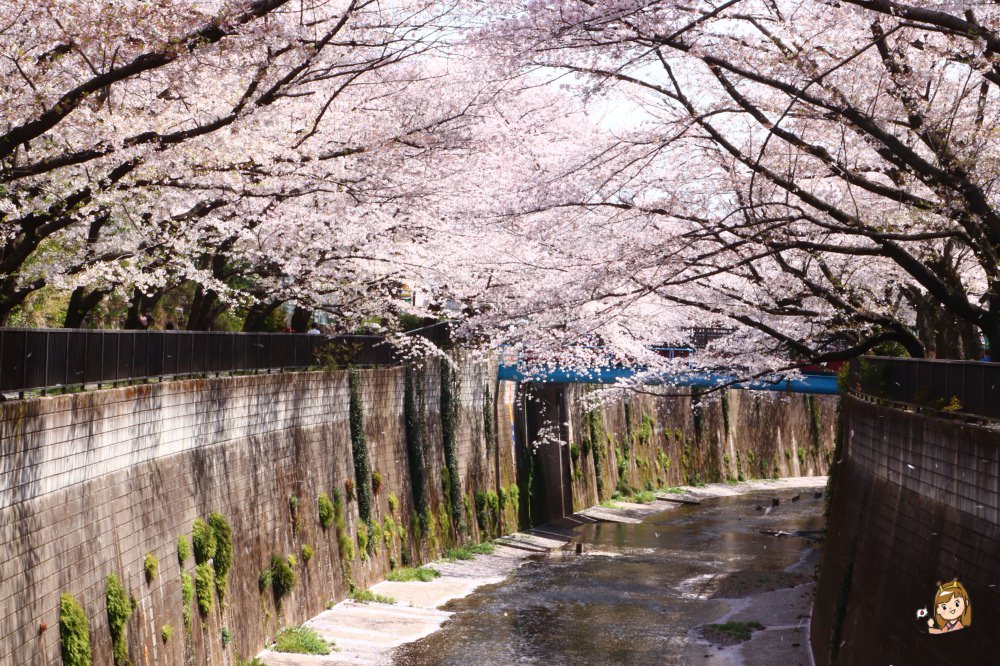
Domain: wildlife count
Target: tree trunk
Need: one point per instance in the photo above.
(258, 315)
(81, 304)
(300, 319)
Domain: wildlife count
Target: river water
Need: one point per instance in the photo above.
(638, 591)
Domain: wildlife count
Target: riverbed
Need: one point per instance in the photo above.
(642, 593)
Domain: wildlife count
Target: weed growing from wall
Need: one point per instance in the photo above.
(393, 503)
(283, 578)
(203, 539)
(119, 611)
(359, 449)
(166, 632)
(204, 583)
(388, 532)
(450, 404)
(623, 487)
(265, 579)
(488, 513)
(183, 549)
(413, 408)
(151, 566)
(594, 422)
(363, 541)
(326, 511)
(223, 559)
(513, 496)
(187, 597)
(493, 508)
(344, 545)
(74, 633)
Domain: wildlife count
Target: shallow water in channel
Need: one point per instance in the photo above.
(635, 594)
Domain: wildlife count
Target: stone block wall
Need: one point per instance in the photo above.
(92, 482)
(915, 502)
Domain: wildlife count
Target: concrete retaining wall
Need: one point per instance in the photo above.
(651, 441)
(915, 502)
(90, 483)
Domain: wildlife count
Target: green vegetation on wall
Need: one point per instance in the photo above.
(74, 632)
(151, 566)
(344, 545)
(413, 408)
(283, 578)
(450, 404)
(203, 539)
(204, 583)
(183, 549)
(594, 427)
(187, 597)
(223, 559)
(488, 514)
(359, 449)
(326, 511)
(119, 611)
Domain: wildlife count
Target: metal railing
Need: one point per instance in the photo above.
(968, 388)
(43, 359)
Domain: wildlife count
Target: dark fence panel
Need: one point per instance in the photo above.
(33, 359)
(961, 387)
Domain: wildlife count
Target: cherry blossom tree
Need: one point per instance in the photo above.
(248, 147)
(819, 174)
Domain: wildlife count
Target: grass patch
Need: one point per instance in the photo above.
(408, 574)
(367, 596)
(468, 552)
(300, 640)
(731, 633)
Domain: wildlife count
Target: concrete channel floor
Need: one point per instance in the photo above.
(366, 634)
